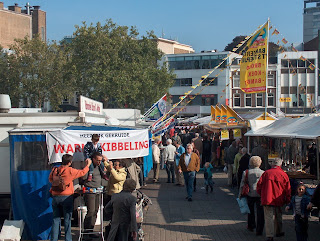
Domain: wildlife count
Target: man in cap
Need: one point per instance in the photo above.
(275, 191)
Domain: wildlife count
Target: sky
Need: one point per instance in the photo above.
(203, 24)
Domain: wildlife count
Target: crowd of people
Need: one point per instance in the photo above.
(262, 182)
(119, 178)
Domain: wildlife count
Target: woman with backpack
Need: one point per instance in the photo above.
(62, 192)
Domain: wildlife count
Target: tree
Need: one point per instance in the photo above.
(38, 70)
(109, 64)
(234, 43)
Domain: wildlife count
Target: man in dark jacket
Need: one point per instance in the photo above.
(230, 155)
(243, 164)
(123, 209)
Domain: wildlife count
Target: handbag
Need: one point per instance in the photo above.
(245, 188)
(243, 205)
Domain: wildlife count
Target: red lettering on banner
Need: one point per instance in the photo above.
(120, 146)
(131, 148)
(146, 144)
(108, 145)
(141, 145)
(113, 146)
(69, 148)
(77, 148)
(102, 147)
(58, 148)
(82, 146)
(126, 146)
(136, 145)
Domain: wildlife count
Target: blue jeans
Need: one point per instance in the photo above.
(66, 203)
(188, 180)
(301, 227)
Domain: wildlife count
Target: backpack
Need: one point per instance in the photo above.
(58, 184)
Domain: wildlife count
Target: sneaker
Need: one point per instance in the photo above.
(189, 199)
(89, 178)
(280, 234)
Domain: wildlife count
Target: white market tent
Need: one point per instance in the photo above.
(307, 127)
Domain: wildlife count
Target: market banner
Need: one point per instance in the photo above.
(218, 114)
(163, 126)
(115, 144)
(232, 117)
(213, 113)
(223, 114)
(253, 66)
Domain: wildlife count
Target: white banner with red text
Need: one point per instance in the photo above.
(115, 144)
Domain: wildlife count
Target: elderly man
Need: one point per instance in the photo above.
(189, 164)
(156, 159)
(275, 191)
(179, 152)
(169, 158)
(230, 155)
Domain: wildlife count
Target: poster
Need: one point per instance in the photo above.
(224, 135)
(237, 133)
(253, 66)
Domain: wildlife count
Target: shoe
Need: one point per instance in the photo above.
(269, 239)
(168, 182)
(250, 229)
(89, 178)
(178, 184)
(258, 234)
(280, 234)
(189, 199)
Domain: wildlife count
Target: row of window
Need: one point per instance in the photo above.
(198, 100)
(236, 81)
(296, 63)
(248, 100)
(196, 62)
(188, 81)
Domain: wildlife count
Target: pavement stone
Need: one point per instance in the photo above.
(213, 216)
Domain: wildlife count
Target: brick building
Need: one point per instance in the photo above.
(16, 23)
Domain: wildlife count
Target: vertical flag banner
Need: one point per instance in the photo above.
(213, 113)
(223, 114)
(218, 114)
(253, 66)
(157, 110)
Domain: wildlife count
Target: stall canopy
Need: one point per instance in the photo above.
(304, 128)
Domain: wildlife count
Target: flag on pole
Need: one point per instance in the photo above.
(253, 66)
(157, 110)
(276, 32)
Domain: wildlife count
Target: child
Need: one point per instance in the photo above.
(299, 204)
(208, 176)
(90, 148)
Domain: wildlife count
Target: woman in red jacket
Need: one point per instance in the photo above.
(64, 198)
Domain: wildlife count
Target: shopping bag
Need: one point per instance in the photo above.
(243, 205)
(225, 169)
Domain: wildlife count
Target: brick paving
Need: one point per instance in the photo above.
(213, 216)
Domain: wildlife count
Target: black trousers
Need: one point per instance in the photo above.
(252, 202)
(301, 227)
(92, 201)
(170, 171)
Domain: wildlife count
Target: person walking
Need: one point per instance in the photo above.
(198, 145)
(262, 152)
(206, 147)
(156, 159)
(252, 176)
(189, 164)
(275, 191)
(62, 200)
(122, 207)
(179, 152)
(230, 155)
(169, 158)
(243, 164)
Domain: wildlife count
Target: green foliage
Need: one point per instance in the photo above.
(109, 64)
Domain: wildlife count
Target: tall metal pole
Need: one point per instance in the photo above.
(267, 65)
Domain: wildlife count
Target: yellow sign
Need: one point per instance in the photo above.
(236, 133)
(224, 134)
(231, 117)
(285, 99)
(223, 114)
(218, 114)
(253, 66)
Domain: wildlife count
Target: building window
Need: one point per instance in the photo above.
(236, 100)
(209, 100)
(271, 81)
(259, 100)
(183, 82)
(43, 34)
(270, 99)
(284, 63)
(236, 81)
(65, 100)
(212, 81)
(248, 100)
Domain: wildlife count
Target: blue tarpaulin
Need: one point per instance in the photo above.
(29, 172)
